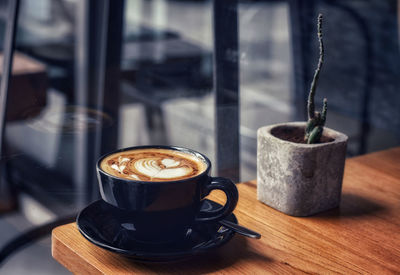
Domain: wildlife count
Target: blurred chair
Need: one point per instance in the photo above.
(177, 74)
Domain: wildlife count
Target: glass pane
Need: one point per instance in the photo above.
(167, 82)
(265, 67)
(359, 77)
(89, 86)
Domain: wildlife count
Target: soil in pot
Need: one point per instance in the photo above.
(295, 134)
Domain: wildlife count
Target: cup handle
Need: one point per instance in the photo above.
(232, 196)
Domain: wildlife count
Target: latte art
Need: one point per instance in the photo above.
(153, 165)
(152, 169)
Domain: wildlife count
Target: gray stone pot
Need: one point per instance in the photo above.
(299, 179)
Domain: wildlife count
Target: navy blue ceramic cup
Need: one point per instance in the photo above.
(164, 211)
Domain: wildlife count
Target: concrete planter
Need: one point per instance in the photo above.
(299, 179)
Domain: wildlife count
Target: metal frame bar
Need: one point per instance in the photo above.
(8, 51)
(226, 79)
(7, 196)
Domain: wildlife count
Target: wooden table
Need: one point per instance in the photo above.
(362, 236)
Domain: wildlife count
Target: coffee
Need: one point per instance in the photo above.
(153, 164)
(161, 212)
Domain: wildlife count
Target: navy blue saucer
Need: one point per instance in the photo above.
(106, 227)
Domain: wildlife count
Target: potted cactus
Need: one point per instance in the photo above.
(300, 164)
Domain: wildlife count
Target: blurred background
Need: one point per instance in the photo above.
(92, 76)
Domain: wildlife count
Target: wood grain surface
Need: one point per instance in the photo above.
(361, 236)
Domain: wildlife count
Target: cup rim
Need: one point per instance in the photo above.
(176, 148)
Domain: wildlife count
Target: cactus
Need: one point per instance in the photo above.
(316, 120)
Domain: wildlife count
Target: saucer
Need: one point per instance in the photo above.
(100, 224)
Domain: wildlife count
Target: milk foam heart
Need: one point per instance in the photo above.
(147, 167)
(168, 163)
(151, 168)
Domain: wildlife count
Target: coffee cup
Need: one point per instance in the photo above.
(160, 190)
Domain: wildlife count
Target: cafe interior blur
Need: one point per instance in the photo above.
(80, 78)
